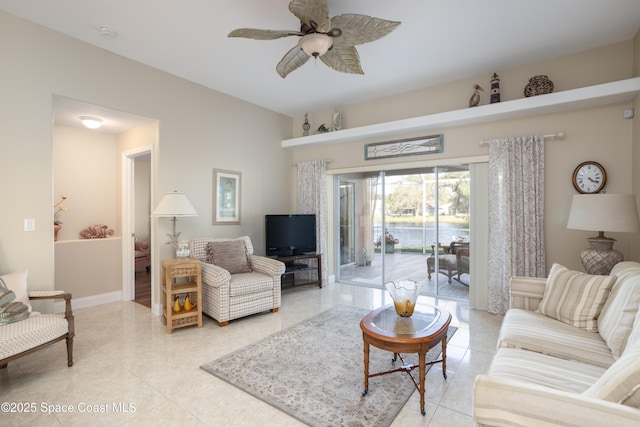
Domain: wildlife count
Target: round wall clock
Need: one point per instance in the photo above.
(589, 177)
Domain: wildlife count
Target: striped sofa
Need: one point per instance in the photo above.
(548, 372)
(227, 294)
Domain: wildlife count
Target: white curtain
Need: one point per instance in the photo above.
(312, 199)
(516, 215)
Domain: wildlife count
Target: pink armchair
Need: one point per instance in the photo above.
(142, 256)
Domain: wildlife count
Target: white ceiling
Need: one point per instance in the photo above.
(438, 41)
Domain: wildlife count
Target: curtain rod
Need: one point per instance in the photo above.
(550, 136)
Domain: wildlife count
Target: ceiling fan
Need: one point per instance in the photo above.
(332, 40)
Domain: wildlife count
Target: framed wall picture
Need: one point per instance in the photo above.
(226, 197)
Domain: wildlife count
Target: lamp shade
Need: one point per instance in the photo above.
(315, 44)
(604, 212)
(174, 204)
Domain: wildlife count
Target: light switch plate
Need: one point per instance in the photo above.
(30, 224)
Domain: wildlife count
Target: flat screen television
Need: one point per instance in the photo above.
(290, 234)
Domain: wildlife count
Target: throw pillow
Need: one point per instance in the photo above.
(620, 383)
(230, 255)
(619, 312)
(17, 282)
(10, 310)
(575, 298)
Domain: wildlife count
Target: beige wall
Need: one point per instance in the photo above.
(199, 129)
(600, 134)
(143, 200)
(84, 169)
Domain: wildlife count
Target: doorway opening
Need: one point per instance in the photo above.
(101, 195)
(142, 229)
(406, 224)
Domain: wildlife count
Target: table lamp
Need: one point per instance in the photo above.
(603, 212)
(174, 205)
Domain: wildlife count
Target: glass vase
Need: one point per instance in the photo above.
(404, 294)
(182, 249)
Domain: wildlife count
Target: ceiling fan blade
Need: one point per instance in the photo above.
(313, 13)
(358, 29)
(344, 59)
(291, 61)
(251, 33)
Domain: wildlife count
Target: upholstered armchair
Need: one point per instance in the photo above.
(235, 282)
(142, 257)
(38, 330)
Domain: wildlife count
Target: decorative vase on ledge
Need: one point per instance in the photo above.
(56, 228)
(389, 248)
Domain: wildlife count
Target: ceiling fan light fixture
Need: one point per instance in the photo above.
(315, 44)
(91, 122)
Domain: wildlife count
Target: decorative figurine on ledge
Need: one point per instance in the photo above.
(306, 126)
(495, 88)
(337, 120)
(97, 231)
(475, 98)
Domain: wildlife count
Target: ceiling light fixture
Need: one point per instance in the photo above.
(315, 44)
(91, 122)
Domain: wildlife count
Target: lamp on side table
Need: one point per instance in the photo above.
(603, 212)
(173, 205)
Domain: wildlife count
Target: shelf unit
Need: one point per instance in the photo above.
(293, 267)
(181, 276)
(590, 96)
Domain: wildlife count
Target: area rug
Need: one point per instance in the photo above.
(313, 371)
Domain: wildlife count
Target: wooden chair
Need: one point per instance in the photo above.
(38, 330)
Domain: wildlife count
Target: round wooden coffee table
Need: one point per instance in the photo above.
(384, 329)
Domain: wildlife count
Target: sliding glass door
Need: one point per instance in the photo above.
(393, 222)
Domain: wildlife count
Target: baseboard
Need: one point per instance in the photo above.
(157, 309)
(90, 301)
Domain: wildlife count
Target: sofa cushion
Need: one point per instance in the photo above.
(575, 298)
(230, 255)
(17, 282)
(536, 332)
(542, 369)
(619, 311)
(621, 382)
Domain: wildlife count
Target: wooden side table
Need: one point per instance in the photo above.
(384, 329)
(181, 276)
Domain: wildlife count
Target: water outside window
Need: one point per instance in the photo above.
(392, 223)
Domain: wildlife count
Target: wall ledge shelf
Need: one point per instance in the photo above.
(106, 239)
(590, 96)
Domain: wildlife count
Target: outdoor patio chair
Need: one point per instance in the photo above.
(447, 262)
(462, 261)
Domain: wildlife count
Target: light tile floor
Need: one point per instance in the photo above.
(128, 371)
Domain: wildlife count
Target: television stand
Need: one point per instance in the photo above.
(294, 267)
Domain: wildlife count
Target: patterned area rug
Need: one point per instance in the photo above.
(313, 371)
